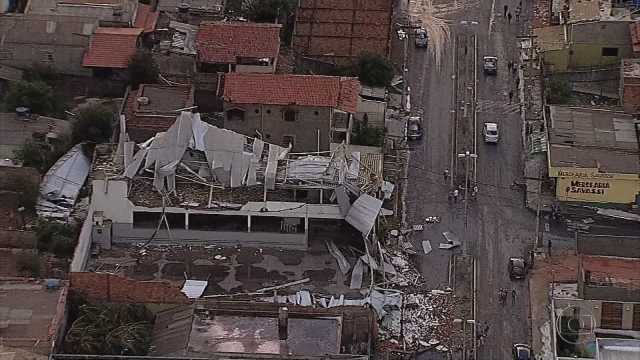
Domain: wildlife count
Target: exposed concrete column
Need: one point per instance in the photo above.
(186, 220)
(248, 223)
(283, 323)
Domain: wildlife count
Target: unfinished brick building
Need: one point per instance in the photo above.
(336, 31)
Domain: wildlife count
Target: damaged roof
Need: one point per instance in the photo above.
(146, 18)
(225, 42)
(302, 90)
(112, 47)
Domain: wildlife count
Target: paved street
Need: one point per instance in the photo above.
(498, 226)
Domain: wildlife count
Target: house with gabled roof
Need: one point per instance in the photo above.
(238, 47)
(306, 111)
(111, 48)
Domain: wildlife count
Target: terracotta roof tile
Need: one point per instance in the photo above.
(111, 47)
(225, 42)
(145, 18)
(303, 90)
(635, 36)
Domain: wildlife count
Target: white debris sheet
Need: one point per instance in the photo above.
(194, 289)
(231, 156)
(61, 184)
(363, 213)
(343, 263)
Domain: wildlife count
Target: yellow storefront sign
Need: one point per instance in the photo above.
(601, 189)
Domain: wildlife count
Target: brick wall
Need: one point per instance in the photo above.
(17, 239)
(112, 288)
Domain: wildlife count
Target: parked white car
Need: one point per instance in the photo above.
(490, 132)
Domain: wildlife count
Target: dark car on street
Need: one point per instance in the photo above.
(517, 268)
(414, 128)
(522, 352)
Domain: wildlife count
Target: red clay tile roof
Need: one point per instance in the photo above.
(303, 90)
(145, 18)
(634, 28)
(225, 42)
(111, 47)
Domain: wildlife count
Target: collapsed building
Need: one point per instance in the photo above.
(199, 184)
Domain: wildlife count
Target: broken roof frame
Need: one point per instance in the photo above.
(192, 150)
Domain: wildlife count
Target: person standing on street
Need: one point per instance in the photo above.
(506, 9)
(445, 174)
(509, 17)
(510, 96)
(455, 195)
(513, 296)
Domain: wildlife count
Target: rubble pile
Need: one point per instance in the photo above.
(423, 320)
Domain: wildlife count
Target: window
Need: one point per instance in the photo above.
(235, 115)
(51, 27)
(636, 317)
(316, 113)
(611, 316)
(268, 111)
(288, 139)
(257, 111)
(47, 56)
(609, 51)
(290, 115)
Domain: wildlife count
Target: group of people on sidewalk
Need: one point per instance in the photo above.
(454, 194)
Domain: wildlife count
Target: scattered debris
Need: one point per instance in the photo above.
(426, 247)
(293, 283)
(427, 320)
(343, 263)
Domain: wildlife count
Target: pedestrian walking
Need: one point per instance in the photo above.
(455, 195)
(445, 174)
(518, 9)
(510, 65)
(549, 247)
(517, 81)
(510, 96)
(513, 296)
(506, 8)
(509, 17)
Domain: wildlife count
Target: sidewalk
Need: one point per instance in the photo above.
(561, 267)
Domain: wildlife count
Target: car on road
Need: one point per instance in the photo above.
(490, 133)
(414, 128)
(522, 352)
(422, 39)
(517, 268)
(490, 65)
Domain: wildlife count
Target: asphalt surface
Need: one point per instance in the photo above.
(497, 224)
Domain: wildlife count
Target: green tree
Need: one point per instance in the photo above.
(558, 91)
(374, 70)
(268, 10)
(110, 329)
(55, 237)
(32, 154)
(36, 95)
(362, 134)
(93, 124)
(41, 72)
(142, 69)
